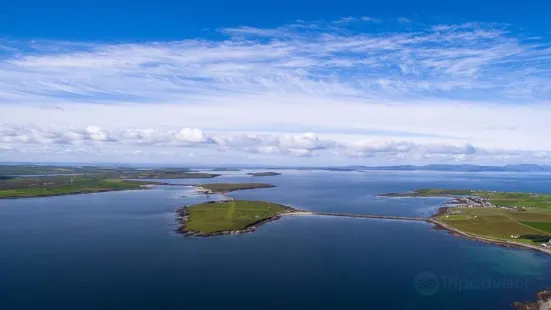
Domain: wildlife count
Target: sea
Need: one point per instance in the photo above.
(119, 250)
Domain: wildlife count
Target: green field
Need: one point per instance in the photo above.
(529, 225)
(504, 199)
(230, 187)
(543, 226)
(63, 185)
(233, 215)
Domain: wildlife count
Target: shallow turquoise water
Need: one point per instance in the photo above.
(119, 251)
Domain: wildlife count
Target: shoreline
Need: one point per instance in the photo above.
(543, 301)
(431, 219)
(504, 243)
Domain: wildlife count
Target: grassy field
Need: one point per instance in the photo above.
(528, 200)
(505, 199)
(230, 187)
(230, 215)
(531, 226)
(62, 185)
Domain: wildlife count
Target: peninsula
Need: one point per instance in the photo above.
(512, 219)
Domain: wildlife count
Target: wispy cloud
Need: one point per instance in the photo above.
(306, 76)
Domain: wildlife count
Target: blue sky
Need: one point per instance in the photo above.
(289, 82)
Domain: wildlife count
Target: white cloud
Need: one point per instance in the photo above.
(93, 139)
(436, 92)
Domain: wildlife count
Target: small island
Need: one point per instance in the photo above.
(223, 188)
(222, 169)
(263, 174)
(228, 217)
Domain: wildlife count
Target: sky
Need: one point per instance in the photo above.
(275, 82)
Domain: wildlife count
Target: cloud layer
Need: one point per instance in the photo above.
(371, 89)
(149, 141)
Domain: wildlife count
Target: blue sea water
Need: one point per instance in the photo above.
(118, 250)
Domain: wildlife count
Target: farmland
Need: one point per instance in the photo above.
(45, 186)
(531, 226)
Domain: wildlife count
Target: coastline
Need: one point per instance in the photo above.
(504, 243)
(543, 302)
(543, 297)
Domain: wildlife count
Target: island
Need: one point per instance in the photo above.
(228, 217)
(223, 188)
(225, 169)
(263, 174)
(505, 218)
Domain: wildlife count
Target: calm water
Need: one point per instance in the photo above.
(118, 250)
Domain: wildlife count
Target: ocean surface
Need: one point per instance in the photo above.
(118, 250)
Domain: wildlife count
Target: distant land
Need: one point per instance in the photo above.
(263, 174)
(469, 168)
(44, 169)
(436, 167)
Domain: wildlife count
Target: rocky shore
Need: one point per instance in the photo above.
(543, 302)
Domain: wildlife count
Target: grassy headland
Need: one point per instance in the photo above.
(263, 174)
(225, 217)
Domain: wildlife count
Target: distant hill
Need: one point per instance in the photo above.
(461, 168)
